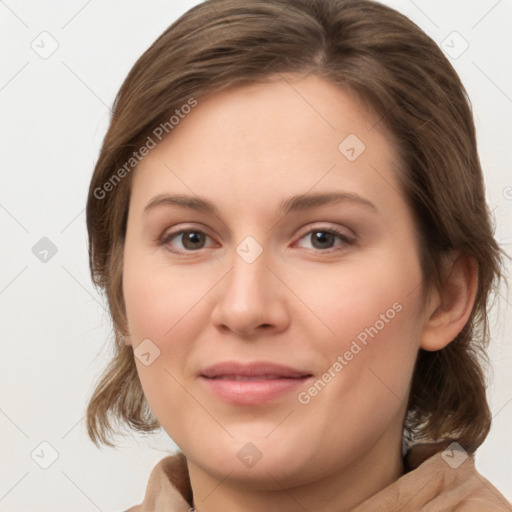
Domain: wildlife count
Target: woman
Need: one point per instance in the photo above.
(288, 220)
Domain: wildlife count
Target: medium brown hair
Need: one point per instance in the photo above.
(396, 69)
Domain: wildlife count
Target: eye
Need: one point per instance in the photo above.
(185, 240)
(325, 239)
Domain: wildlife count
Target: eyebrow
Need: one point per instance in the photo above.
(307, 201)
(182, 200)
(298, 202)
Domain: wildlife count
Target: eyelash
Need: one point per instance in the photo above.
(342, 236)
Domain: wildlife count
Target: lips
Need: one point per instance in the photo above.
(253, 371)
(253, 383)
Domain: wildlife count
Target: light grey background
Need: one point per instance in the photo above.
(54, 327)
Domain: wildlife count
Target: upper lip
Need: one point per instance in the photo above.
(255, 369)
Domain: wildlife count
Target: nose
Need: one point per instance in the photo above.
(250, 300)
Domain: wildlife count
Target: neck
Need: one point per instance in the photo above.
(341, 491)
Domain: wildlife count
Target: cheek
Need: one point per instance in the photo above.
(159, 308)
(368, 366)
(373, 313)
(158, 299)
(376, 297)
(167, 306)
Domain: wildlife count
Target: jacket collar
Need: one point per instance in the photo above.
(437, 477)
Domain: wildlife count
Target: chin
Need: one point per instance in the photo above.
(255, 460)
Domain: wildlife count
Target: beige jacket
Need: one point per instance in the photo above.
(431, 483)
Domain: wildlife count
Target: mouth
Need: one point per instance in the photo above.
(254, 371)
(250, 378)
(252, 384)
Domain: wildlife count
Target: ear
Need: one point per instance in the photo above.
(450, 307)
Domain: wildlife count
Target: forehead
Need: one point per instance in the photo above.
(284, 135)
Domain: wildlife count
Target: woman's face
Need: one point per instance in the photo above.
(272, 284)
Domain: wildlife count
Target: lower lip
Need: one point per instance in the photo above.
(252, 392)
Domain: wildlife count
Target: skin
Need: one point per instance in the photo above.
(298, 304)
